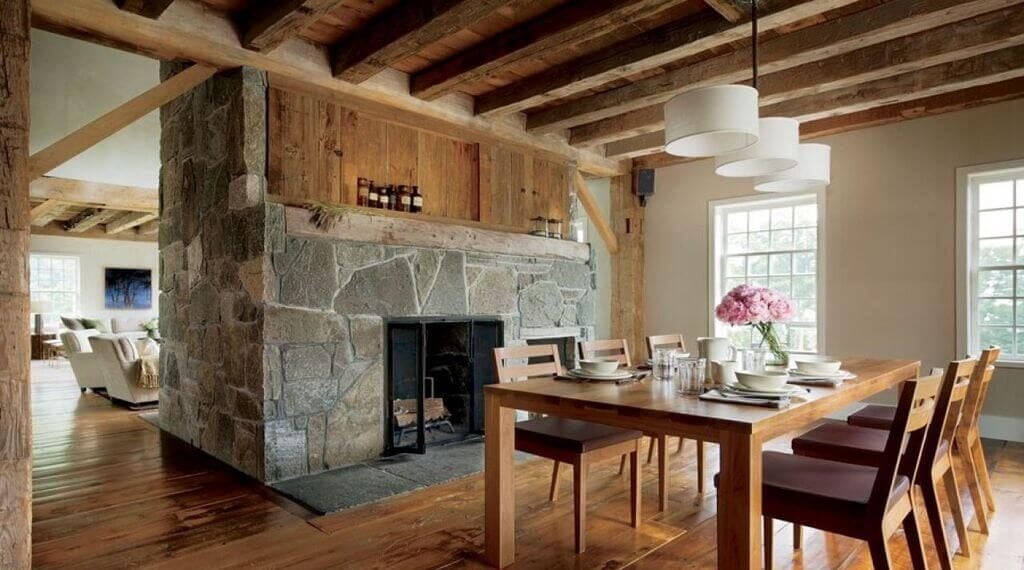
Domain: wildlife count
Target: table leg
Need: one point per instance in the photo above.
(499, 487)
(739, 501)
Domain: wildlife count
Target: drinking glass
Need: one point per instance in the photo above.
(663, 364)
(691, 373)
(754, 359)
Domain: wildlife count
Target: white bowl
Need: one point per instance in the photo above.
(766, 380)
(599, 365)
(818, 366)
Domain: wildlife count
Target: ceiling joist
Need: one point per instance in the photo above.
(127, 221)
(146, 8)
(271, 23)
(732, 10)
(89, 219)
(47, 211)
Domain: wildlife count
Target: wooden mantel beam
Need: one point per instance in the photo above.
(147, 8)
(564, 24)
(188, 30)
(867, 27)
(403, 31)
(596, 216)
(271, 23)
(75, 143)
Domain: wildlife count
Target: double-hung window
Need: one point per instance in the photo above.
(770, 241)
(55, 278)
(990, 259)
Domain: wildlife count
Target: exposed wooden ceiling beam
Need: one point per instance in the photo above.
(270, 23)
(867, 27)
(641, 130)
(188, 30)
(45, 213)
(732, 10)
(56, 229)
(147, 8)
(149, 228)
(89, 219)
(916, 109)
(80, 140)
(127, 221)
(403, 31)
(563, 25)
(95, 194)
(649, 50)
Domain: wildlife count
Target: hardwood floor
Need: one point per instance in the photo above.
(111, 492)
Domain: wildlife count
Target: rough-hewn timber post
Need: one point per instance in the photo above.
(15, 414)
(628, 265)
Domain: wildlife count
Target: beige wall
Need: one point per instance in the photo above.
(889, 244)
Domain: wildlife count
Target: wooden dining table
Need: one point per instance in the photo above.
(652, 405)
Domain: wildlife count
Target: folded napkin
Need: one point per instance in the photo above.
(728, 398)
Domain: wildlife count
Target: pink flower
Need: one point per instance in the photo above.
(746, 305)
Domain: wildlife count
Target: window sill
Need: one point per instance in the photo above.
(1010, 364)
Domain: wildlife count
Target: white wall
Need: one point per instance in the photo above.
(74, 82)
(94, 256)
(601, 189)
(889, 245)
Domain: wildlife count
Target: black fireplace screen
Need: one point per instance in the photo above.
(436, 373)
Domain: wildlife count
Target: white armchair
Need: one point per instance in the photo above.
(84, 362)
(119, 360)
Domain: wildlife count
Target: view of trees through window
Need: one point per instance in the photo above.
(55, 278)
(999, 285)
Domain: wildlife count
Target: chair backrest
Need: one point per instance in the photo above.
(616, 348)
(948, 404)
(914, 412)
(507, 372)
(120, 348)
(664, 341)
(77, 342)
(977, 391)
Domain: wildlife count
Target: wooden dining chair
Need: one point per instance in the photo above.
(675, 341)
(867, 503)
(966, 439)
(564, 440)
(616, 348)
(866, 446)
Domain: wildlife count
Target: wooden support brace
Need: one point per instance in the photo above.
(595, 215)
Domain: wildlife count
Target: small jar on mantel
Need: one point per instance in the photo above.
(385, 197)
(373, 193)
(539, 226)
(362, 192)
(403, 199)
(555, 228)
(417, 200)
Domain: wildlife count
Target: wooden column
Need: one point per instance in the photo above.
(15, 413)
(628, 265)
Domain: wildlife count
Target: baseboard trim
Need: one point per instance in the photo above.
(1002, 427)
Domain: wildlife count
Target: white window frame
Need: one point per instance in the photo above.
(78, 287)
(716, 242)
(967, 180)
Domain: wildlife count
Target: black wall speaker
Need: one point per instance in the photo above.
(643, 183)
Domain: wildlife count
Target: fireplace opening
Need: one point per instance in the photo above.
(437, 369)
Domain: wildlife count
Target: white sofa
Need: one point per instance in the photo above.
(119, 360)
(129, 327)
(84, 362)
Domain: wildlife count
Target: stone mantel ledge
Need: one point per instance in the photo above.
(388, 230)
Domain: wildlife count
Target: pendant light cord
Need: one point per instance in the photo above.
(753, 35)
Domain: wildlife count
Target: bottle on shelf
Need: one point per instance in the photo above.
(387, 198)
(403, 199)
(374, 196)
(362, 192)
(416, 205)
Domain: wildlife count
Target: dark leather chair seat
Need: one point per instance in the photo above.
(572, 435)
(843, 442)
(873, 416)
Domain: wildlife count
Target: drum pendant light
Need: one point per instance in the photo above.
(812, 172)
(715, 120)
(777, 149)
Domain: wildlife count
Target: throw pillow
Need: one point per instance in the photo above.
(95, 324)
(72, 323)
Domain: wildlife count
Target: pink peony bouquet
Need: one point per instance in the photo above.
(760, 308)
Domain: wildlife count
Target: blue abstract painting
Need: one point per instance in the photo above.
(128, 288)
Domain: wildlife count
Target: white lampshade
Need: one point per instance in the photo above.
(711, 120)
(40, 306)
(777, 149)
(812, 172)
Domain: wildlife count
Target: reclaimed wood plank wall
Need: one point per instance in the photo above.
(318, 149)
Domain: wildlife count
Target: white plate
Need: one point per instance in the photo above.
(737, 387)
(618, 375)
(840, 374)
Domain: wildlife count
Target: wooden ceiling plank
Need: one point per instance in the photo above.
(82, 139)
(878, 116)
(271, 23)
(149, 228)
(561, 26)
(90, 218)
(867, 27)
(46, 212)
(732, 10)
(190, 31)
(403, 31)
(638, 132)
(95, 194)
(649, 50)
(147, 8)
(127, 221)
